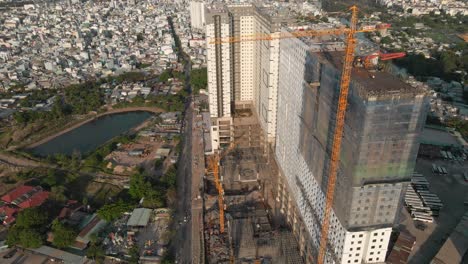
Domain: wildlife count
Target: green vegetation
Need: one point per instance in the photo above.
(158, 164)
(31, 217)
(95, 250)
(155, 193)
(437, 23)
(29, 228)
(445, 65)
(175, 36)
(83, 98)
(460, 125)
(169, 73)
(64, 236)
(198, 79)
(76, 99)
(28, 238)
(88, 162)
(113, 211)
(168, 102)
(134, 253)
(37, 96)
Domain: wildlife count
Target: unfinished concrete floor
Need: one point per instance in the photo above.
(247, 177)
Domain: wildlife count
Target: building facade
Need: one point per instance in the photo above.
(383, 121)
(197, 15)
(243, 73)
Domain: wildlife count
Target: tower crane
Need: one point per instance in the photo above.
(350, 44)
(213, 166)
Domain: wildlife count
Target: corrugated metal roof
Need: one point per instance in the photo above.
(60, 254)
(139, 217)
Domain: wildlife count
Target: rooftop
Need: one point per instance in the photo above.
(139, 217)
(370, 84)
(66, 257)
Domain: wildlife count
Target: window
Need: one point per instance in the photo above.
(374, 240)
(370, 259)
(358, 248)
(360, 235)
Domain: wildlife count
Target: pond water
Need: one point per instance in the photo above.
(91, 135)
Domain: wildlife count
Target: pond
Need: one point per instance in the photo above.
(91, 135)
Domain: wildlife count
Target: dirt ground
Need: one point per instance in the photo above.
(121, 157)
(452, 190)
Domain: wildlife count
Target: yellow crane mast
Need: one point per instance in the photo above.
(338, 133)
(350, 43)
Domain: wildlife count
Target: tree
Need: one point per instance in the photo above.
(134, 253)
(138, 186)
(158, 164)
(75, 160)
(154, 198)
(31, 217)
(199, 79)
(171, 197)
(26, 237)
(63, 236)
(170, 178)
(51, 178)
(95, 252)
(30, 238)
(140, 37)
(449, 61)
(164, 77)
(58, 193)
(112, 211)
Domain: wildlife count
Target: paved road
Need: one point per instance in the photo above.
(182, 239)
(198, 171)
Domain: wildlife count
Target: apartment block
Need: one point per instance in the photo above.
(197, 15)
(243, 73)
(383, 121)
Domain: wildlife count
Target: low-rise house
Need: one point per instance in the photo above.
(26, 196)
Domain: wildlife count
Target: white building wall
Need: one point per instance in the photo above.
(273, 88)
(212, 75)
(197, 15)
(247, 58)
(349, 247)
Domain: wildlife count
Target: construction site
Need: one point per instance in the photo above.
(248, 233)
(339, 146)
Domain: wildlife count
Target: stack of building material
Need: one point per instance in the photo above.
(422, 204)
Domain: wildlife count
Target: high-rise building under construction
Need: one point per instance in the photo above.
(292, 85)
(383, 120)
